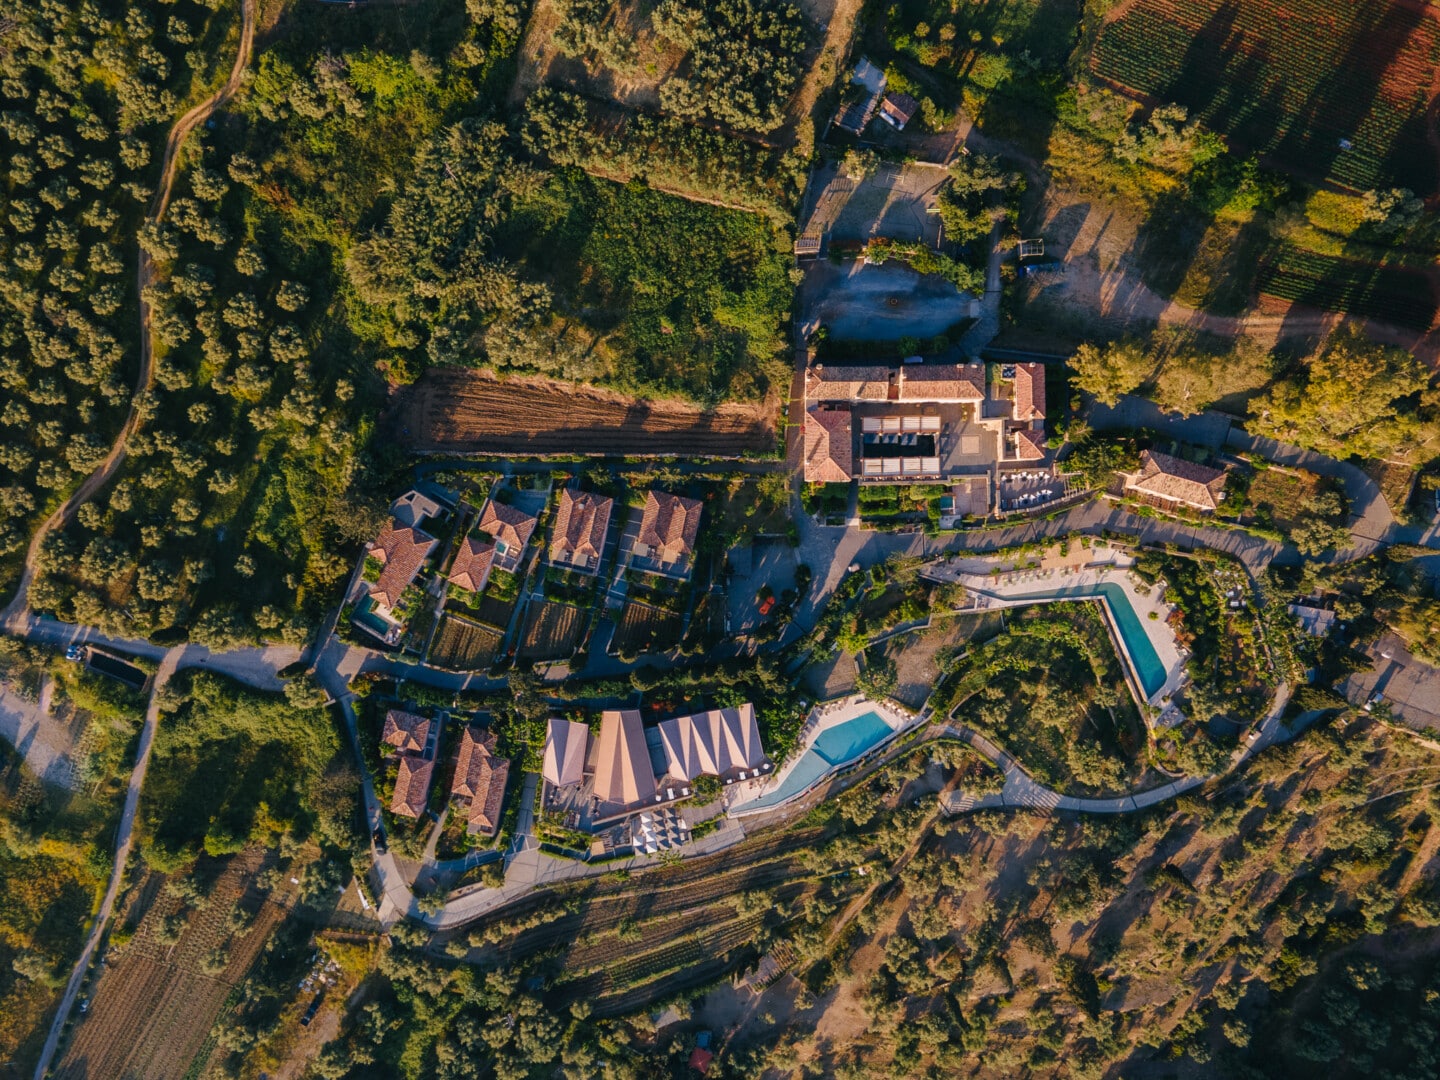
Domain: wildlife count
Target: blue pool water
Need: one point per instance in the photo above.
(833, 747)
(1143, 657)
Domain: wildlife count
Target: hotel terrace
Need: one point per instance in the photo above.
(628, 767)
(921, 422)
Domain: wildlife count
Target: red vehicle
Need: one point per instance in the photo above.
(766, 605)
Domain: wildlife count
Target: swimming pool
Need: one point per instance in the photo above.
(833, 747)
(1143, 658)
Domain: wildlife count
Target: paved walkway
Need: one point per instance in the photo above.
(1023, 791)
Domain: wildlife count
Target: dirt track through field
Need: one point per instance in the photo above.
(469, 412)
(91, 485)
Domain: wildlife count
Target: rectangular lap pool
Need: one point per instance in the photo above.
(1143, 658)
(832, 748)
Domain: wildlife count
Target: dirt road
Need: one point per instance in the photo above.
(145, 270)
(123, 837)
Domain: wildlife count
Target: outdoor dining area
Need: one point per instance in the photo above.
(1025, 490)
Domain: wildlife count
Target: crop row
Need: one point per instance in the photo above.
(1338, 285)
(464, 646)
(1323, 85)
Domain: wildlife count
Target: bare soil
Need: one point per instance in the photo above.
(470, 412)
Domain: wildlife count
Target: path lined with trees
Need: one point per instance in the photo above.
(144, 274)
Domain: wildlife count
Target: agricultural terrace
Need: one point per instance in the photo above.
(552, 631)
(645, 628)
(463, 645)
(456, 410)
(1402, 297)
(1331, 88)
(174, 958)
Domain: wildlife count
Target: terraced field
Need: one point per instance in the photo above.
(1330, 88)
(462, 645)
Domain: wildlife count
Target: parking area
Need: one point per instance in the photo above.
(886, 302)
(764, 563)
(1410, 687)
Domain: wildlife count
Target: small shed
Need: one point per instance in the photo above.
(897, 109)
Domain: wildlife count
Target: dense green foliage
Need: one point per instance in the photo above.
(666, 152)
(233, 766)
(741, 57)
(83, 90)
(1356, 398)
(1052, 692)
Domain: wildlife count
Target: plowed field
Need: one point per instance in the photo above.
(473, 413)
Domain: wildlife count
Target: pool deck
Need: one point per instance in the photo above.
(822, 718)
(989, 591)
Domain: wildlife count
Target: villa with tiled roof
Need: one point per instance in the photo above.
(470, 569)
(581, 526)
(412, 786)
(828, 448)
(400, 551)
(953, 383)
(509, 529)
(848, 382)
(405, 733)
(1029, 444)
(1171, 481)
(479, 783)
(1029, 390)
(669, 527)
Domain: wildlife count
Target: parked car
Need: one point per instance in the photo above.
(75, 652)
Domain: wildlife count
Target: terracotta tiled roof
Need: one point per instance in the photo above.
(842, 382)
(669, 526)
(471, 568)
(1029, 445)
(506, 524)
(901, 106)
(623, 775)
(829, 449)
(580, 528)
(401, 551)
(405, 731)
(1029, 392)
(1174, 480)
(412, 786)
(943, 382)
(718, 743)
(480, 779)
(566, 744)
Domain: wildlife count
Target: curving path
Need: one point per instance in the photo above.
(144, 272)
(123, 837)
(1023, 791)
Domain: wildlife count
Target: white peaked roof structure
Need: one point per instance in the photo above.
(718, 742)
(566, 744)
(623, 776)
